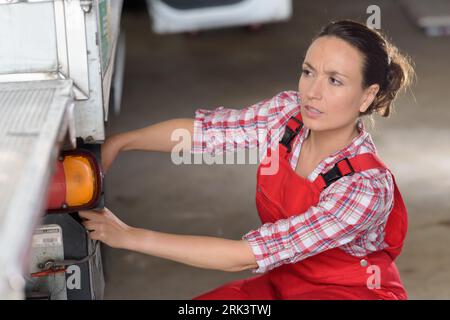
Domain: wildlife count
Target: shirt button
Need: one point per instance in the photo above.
(364, 263)
(259, 189)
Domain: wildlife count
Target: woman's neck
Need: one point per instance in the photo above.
(321, 144)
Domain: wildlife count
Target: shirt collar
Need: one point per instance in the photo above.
(352, 148)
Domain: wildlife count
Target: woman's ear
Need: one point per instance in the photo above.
(368, 97)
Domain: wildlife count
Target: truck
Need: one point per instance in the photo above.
(61, 74)
(61, 71)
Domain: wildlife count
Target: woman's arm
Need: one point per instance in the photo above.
(220, 129)
(198, 251)
(156, 137)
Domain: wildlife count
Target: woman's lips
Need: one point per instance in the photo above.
(312, 112)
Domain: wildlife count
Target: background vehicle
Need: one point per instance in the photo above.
(171, 16)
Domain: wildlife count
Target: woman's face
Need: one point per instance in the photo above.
(331, 84)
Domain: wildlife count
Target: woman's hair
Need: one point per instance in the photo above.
(383, 64)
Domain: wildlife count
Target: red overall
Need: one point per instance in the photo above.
(332, 274)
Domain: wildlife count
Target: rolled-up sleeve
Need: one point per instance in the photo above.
(346, 211)
(225, 129)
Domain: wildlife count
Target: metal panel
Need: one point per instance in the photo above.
(42, 40)
(89, 116)
(34, 119)
(76, 48)
(86, 41)
(28, 44)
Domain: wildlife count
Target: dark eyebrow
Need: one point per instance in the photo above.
(309, 66)
(332, 72)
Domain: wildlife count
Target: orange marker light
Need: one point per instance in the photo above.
(76, 183)
(80, 180)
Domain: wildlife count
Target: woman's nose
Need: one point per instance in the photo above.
(314, 90)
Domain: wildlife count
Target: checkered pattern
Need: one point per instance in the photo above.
(351, 213)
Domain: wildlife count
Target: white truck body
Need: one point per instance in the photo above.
(56, 71)
(61, 39)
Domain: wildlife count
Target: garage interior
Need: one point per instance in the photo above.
(170, 76)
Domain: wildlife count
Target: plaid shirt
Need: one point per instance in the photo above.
(351, 213)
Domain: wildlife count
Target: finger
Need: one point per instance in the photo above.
(87, 225)
(95, 235)
(92, 226)
(87, 214)
(108, 213)
(90, 214)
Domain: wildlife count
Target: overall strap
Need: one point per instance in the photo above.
(397, 223)
(293, 127)
(347, 167)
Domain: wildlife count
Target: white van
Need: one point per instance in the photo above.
(173, 16)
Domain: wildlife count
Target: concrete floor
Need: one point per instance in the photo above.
(171, 76)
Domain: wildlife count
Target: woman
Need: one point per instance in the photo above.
(333, 218)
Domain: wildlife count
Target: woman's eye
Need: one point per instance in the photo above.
(335, 81)
(306, 72)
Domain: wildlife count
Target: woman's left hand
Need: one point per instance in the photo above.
(105, 226)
